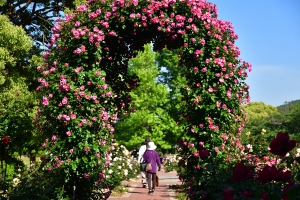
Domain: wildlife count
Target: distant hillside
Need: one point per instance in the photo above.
(286, 107)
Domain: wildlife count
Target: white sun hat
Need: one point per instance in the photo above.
(151, 146)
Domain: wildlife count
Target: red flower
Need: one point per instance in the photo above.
(6, 140)
(271, 173)
(228, 194)
(282, 144)
(246, 193)
(241, 172)
(283, 176)
(267, 174)
(264, 196)
(203, 153)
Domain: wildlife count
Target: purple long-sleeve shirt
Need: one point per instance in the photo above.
(153, 157)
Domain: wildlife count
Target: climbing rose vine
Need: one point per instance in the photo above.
(84, 87)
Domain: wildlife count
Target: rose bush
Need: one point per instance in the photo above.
(122, 167)
(266, 176)
(171, 163)
(84, 85)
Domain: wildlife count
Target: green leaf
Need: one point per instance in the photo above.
(293, 192)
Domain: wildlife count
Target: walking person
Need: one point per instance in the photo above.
(151, 156)
(142, 150)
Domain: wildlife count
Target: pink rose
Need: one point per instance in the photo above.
(68, 133)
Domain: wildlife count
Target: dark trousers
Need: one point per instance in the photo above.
(151, 179)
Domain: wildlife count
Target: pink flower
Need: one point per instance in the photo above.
(86, 149)
(98, 155)
(68, 133)
(82, 47)
(65, 100)
(210, 89)
(77, 23)
(73, 116)
(217, 149)
(112, 33)
(202, 41)
(109, 94)
(71, 150)
(204, 69)
(86, 175)
(53, 138)
(77, 51)
(77, 70)
(196, 154)
(132, 15)
(82, 8)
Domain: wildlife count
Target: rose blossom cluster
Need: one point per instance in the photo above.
(84, 105)
(279, 146)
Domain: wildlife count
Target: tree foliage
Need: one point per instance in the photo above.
(14, 46)
(259, 110)
(149, 100)
(292, 119)
(171, 76)
(262, 116)
(16, 101)
(35, 17)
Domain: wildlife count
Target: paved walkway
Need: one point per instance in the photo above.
(162, 191)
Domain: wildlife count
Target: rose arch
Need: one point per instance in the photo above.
(84, 88)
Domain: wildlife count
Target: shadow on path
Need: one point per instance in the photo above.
(162, 191)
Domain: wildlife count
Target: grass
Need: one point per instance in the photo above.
(118, 191)
(179, 191)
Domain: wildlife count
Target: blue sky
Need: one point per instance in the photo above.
(269, 39)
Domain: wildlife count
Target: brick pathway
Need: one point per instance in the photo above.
(162, 192)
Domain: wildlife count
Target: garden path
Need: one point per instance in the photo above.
(162, 192)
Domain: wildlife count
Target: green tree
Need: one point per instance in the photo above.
(14, 45)
(149, 100)
(292, 119)
(17, 103)
(261, 116)
(171, 76)
(35, 17)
